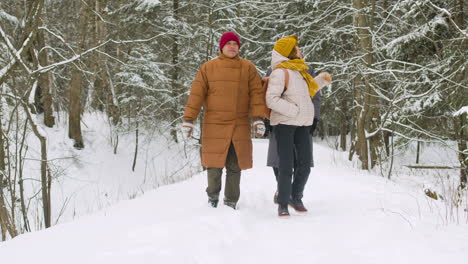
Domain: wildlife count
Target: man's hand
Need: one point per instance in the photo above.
(187, 129)
(259, 128)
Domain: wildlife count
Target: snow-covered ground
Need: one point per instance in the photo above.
(93, 178)
(354, 217)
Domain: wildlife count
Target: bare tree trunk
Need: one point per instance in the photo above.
(386, 136)
(45, 82)
(418, 149)
(5, 224)
(344, 124)
(354, 139)
(459, 13)
(137, 132)
(42, 96)
(104, 97)
(175, 75)
(376, 141)
(113, 107)
(461, 128)
(136, 146)
(461, 125)
(74, 111)
(20, 178)
(391, 157)
(362, 142)
(46, 180)
(95, 29)
(369, 117)
(373, 121)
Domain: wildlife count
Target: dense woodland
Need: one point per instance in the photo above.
(399, 70)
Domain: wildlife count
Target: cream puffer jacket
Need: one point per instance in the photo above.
(294, 106)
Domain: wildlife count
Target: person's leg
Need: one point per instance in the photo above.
(275, 196)
(285, 139)
(276, 172)
(303, 159)
(233, 174)
(295, 164)
(214, 185)
(311, 151)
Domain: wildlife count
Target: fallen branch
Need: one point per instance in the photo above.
(431, 167)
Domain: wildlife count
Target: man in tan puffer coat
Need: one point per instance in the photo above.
(230, 89)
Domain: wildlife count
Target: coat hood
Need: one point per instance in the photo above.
(277, 59)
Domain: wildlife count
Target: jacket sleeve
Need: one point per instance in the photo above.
(268, 72)
(316, 100)
(197, 95)
(256, 93)
(275, 91)
(311, 71)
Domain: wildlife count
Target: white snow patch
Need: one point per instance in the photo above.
(463, 110)
(146, 5)
(7, 17)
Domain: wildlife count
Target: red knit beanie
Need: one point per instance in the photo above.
(226, 37)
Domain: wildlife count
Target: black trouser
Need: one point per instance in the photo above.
(233, 173)
(290, 139)
(276, 170)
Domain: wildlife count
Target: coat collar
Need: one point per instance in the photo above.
(224, 57)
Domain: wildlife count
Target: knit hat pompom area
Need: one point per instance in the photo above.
(226, 37)
(285, 45)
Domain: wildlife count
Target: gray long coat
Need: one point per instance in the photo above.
(273, 158)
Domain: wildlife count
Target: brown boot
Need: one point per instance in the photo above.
(298, 205)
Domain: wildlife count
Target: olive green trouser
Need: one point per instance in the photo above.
(233, 173)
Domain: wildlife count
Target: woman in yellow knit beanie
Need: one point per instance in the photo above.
(291, 118)
(284, 46)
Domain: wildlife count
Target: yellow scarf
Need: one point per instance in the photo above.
(300, 66)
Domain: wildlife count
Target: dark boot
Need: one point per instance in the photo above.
(298, 205)
(213, 203)
(283, 211)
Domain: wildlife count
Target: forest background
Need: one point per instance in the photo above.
(399, 69)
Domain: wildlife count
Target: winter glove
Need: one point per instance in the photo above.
(323, 79)
(314, 126)
(259, 128)
(187, 129)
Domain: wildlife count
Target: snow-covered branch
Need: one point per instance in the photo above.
(43, 69)
(449, 15)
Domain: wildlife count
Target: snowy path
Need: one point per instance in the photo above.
(354, 217)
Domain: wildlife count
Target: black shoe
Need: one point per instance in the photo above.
(297, 205)
(213, 203)
(283, 211)
(275, 198)
(230, 204)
